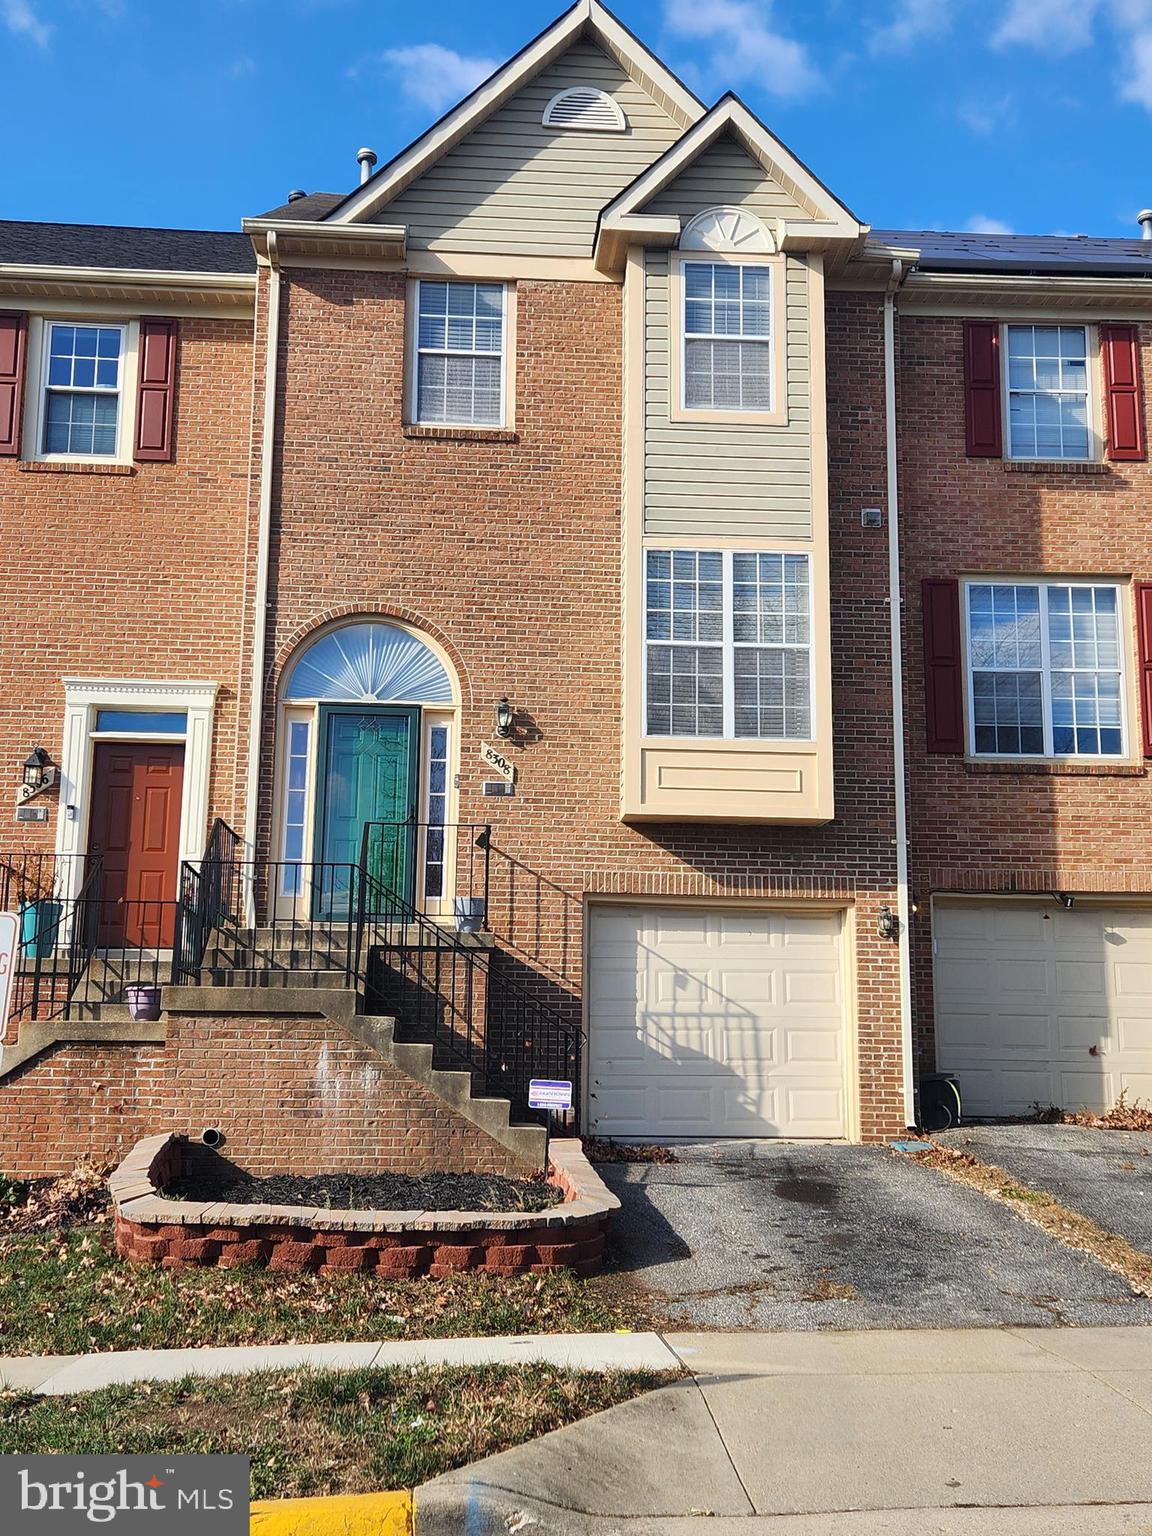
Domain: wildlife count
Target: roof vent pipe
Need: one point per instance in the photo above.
(367, 159)
(296, 194)
(1144, 219)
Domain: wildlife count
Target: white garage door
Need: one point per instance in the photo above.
(713, 1021)
(1038, 1005)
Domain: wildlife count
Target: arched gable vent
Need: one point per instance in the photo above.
(585, 108)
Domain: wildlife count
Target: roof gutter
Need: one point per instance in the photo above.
(263, 544)
(895, 618)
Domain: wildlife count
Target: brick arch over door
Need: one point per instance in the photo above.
(416, 624)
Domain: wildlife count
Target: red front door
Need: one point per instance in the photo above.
(135, 825)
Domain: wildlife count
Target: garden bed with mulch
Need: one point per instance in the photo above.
(366, 1191)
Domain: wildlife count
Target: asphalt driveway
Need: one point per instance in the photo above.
(793, 1236)
(1104, 1175)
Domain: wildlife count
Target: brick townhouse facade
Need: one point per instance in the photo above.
(588, 518)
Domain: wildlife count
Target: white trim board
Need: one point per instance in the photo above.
(82, 697)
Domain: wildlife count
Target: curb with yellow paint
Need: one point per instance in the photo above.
(350, 1514)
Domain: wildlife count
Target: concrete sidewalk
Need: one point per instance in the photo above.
(59, 1375)
(1026, 1432)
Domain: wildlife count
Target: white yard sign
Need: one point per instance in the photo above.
(9, 939)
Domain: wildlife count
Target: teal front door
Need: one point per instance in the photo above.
(366, 773)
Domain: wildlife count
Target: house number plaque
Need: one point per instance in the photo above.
(497, 761)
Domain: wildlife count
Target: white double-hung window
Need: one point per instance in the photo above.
(1045, 669)
(727, 644)
(1049, 411)
(82, 389)
(728, 360)
(459, 356)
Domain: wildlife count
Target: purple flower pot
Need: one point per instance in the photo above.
(143, 1003)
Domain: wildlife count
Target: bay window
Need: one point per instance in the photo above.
(727, 644)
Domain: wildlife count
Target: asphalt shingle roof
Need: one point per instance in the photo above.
(313, 205)
(941, 251)
(118, 246)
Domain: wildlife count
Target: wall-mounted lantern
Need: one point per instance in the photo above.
(504, 718)
(888, 924)
(39, 773)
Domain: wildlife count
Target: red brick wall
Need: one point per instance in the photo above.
(508, 553)
(1002, 828)
(293, 1095)
(131, 571)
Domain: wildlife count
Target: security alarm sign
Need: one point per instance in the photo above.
(493, 759)
(549, 1093)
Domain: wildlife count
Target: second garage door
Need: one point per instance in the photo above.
(1039, 1005)
(716, 1021)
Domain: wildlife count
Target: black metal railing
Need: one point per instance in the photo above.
(455, 992)
(31, 876)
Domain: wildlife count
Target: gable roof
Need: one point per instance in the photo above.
(115, 247)
(586, 17)
(830, 222)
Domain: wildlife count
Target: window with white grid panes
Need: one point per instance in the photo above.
(727, 336)
(459, 365)
(1045, 669)
(728, 644)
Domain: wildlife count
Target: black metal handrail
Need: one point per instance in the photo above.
(452, 990)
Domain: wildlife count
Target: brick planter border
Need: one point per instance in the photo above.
(397, 1245)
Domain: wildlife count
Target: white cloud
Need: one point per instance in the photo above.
(743, 44)
(1136, 79)
(986, 117)
(912, 22)
(431, 75)
(1052, 26)
(984, 224)
(19, 17)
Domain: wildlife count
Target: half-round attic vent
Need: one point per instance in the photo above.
(585, 108)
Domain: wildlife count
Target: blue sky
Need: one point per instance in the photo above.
(1028, 115)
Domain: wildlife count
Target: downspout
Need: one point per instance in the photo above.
(895, 608)
(263, 543)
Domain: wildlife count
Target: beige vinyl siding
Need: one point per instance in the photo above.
(517, 188)
(726, 173)
(713, 479)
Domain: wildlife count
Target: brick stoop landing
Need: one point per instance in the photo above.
(189, 1234)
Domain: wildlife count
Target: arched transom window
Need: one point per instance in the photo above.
(369, 663)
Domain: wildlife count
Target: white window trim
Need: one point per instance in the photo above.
(36, 406)
(1123, 620)
(1095, 393)
(777, 343)
(507, 353)
(728, 647)
(82, 698)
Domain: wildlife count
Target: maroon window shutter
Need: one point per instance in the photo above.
(982, 430)
(1144, 635)
(943, 681)
(156, 397)
(1123, 394)
(13, 331)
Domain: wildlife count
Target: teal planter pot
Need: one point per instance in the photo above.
(39, 927)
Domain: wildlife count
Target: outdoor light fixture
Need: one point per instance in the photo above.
(504, 718)
(38, 772)
(888, 923)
